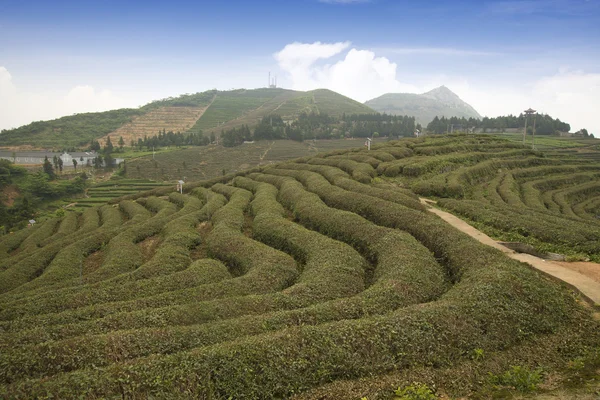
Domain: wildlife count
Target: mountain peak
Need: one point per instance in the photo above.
(440, 101)
(443, 94)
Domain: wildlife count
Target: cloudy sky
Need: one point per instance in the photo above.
(63, 57)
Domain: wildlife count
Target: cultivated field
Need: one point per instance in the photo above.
(103, 192)
(174, 119)
(197, 163)
(322, 277)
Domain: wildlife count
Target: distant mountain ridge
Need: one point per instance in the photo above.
(424, 107)
(210, 111)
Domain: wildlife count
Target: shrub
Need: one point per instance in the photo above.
(519, 378)
(416, 391)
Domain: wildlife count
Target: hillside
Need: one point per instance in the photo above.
(424, 107)
(321, 277)
(208, 111)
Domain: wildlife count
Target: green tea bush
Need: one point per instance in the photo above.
(519, 378)
(35, 239)
(360, 172)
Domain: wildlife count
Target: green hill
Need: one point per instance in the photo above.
(321, 277)
(210, 111)
(424, 107)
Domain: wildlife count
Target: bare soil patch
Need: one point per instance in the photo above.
(148, 247)
(589, 269)
(9, 194)
(201, 251)
(92, 262)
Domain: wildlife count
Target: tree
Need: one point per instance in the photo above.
(48, 168)
(60, 164)
(212, 137)
(121, 143)
(108, 160)
(75, 164)
(94, 145)
(108, 146)
(98, 162)
(584, 132)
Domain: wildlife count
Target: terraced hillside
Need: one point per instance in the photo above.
(547, 199)
(174, 119)
(207, 162)
(103, 192)
(314, 278)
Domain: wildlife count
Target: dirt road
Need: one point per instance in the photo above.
(585, 277)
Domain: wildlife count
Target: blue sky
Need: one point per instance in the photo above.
(62, 57)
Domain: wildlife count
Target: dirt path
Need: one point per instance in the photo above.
(262, 157)
(583, 276)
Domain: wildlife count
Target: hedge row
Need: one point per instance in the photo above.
(546, 229)
(360, 158)
(133, 211)
(492, 146)
(13, 240)
(588, 209)
(90, 220)
(41, 328)
(438, 186)
(331, 270)
(268, 270)
(522, 174)
(566, 198)
(122, 256)
(110, 217)
(388, 249)
(360, 172)
(497, 304)
(31, 264)
(339, 178)
(35, 239)
(51, 265)
(509, 190)
(460, 182)
(395, 286)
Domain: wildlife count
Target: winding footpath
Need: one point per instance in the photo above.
(588, 287)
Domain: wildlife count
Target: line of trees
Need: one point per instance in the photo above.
(313, 125)
(545, 124)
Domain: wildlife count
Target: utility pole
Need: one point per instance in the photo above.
(533, 137)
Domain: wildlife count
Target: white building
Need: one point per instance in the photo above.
(37, 157)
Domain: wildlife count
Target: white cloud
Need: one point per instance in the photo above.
(572, 96)
(18, 107)
(360, 75)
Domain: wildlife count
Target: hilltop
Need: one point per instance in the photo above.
(209, 112)
(424, 107)
(320, 277)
